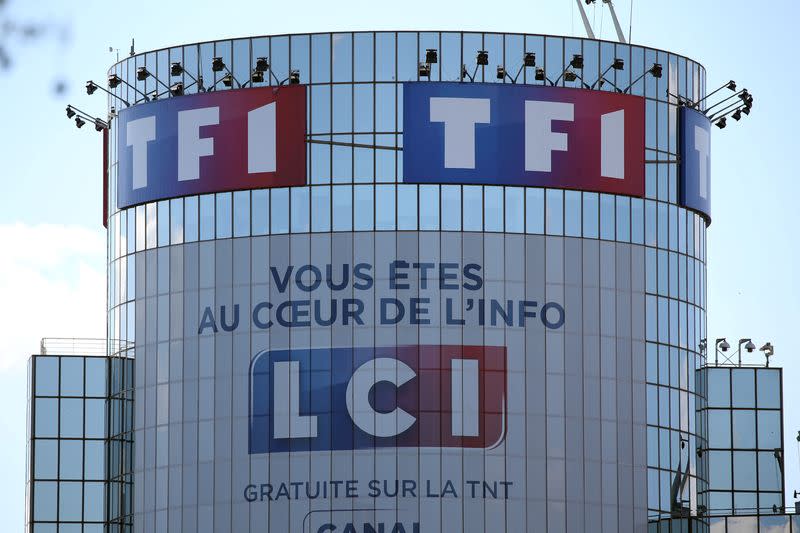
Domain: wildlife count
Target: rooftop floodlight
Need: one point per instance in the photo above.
(100, 125)
(257, 76)
(142, 73)
(529, 59)
(731, 85)
(570, 76)
(746, 110)
(294, 77)
(539, 74)
(501, 72)
(175, 69)
(431, 56)
(424, 70)
(769, 351)
(618, 64)
(737, 116)
(262, 64)
(70, 112)
(217, 64)
(577, 61)
(227, 80)
(79, 122)
(656, 70)
(721, 123)
(483, 57)
(114, 81)
(176, 89)
(90, 87)
(722, 344)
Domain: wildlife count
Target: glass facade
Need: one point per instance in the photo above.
(66, 478)
(744, 451)
(632, 269)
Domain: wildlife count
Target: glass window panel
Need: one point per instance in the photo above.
(744, 429)
(95, 418)
(342, 109)
(743, 387)
(473, 208)
(651, 270)
(769, 429)
(769, 388)
(176, 221)
(223, 215)
(623, 219)
(384, 207)
(572, 213)
(300, 56)
(650, 223)
(744, 471)
(343, 161)
(321, 57)
(46, 376)
(190, 219)
(385, 56)
(364, 56)
(206, 217)
(493, 208)
(451, 207)
(46, 417)
(406, 56)
(534, 211)
(591, 215)
(260, 212)
(515, 220)
(93, 502)
(71, 417)
(342, 208)
(45, 503)
(554, 63)
(719, 388)
(151, 225)
(429, 207)
(70, 502)
(46, 459)
(554, 212)
(769, 472)
(320, 109)
(607, 223)
(719, 469)
(131, 231)
(450, 57)
(71, 459)
(321, 208)
(241, 213)
(663, 226)
(719, 428)
(279, 209)
(94, 459)
(300, 209)
(163, 223)
(637, 221)
(407, 207)
(364, 166)
(363, 207)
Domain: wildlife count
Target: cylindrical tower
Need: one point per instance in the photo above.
(404, 281)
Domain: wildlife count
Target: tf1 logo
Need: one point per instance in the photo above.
(377, 397)
(212, 142)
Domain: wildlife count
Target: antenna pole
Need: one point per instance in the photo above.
(585, 19)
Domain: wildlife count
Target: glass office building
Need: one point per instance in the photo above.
(359, 350)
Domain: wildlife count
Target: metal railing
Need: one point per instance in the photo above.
(82, 346)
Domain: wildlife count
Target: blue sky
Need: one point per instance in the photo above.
(51, 267)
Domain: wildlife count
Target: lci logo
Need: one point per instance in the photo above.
(357, 398)
(497, 134)
(212, 142)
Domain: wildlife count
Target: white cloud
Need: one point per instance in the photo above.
(52, 284)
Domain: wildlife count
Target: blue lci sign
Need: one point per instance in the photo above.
(695, 175)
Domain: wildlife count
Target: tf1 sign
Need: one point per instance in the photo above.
(502, 134)
(695, 145)
(212, 142)
(398, 396)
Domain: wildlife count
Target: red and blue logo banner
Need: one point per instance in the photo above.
(212, 142)
(505, 134)
(362, 398)
(695, 175)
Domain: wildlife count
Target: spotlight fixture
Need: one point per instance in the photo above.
(257, 76)
(142, 73)
(262, 64)
(294, 77)
(769, 351)
(483, 57)
(731, 85)
(227, 80)
(570, 76)
(424, 70)
(70, 112)
(175, 69)
(721, 123)
(577, 61)
(746, 110)
(656, 70)
(79, 122)
(540, 74)
(90, 87)
(99, 125)
(618, 64)
(529, 59)
(114, 81)
(176, 89)
(737, 116)
(431, 56)
(501, 72)
(217, 64)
